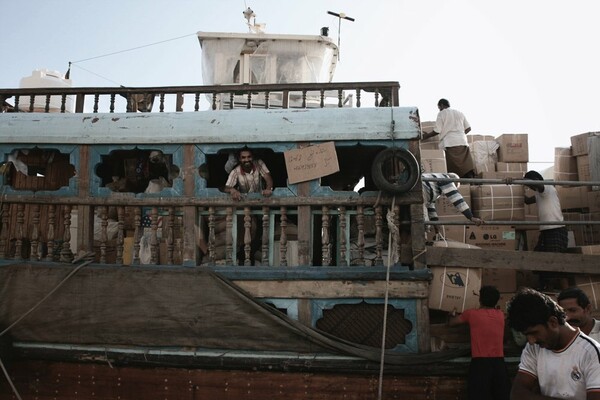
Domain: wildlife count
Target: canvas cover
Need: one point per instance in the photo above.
(158, 306)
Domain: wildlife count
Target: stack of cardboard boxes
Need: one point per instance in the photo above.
(506, 157)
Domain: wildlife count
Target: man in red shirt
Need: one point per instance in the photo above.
(488, 378)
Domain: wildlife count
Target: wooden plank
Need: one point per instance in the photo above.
(518, 260)
(334, 289)
(268, 125)
(85, 213)
(189, 251)
(104, 381)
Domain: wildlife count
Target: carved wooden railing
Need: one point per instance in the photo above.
(230, 233)
(173, 98)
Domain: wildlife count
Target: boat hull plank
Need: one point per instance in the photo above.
(47, 380)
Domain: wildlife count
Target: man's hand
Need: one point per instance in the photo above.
(235, 194)
(267, 192)
(477, 221)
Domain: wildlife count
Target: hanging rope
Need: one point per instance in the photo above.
(394, 233)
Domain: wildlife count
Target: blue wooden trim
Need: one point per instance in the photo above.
(408, 305)
(290, 305)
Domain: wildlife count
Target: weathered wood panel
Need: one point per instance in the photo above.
(76, 381)
(208, 127)
(334, 289)
(518, 260)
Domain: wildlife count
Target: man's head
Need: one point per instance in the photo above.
(576, 305)
(537, 316)
(443, 104)
(245, 158)
(489, 296)
(534, 176)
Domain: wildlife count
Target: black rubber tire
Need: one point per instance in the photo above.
(395, 158)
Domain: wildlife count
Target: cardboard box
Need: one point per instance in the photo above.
(432, 143)
(593, 201)
(498, 202)
(505, 298)
(501, 175)
(511, 167)
(449, 232)
(580, 143)
(532, 239)
(433, 160)
(591, 250)
(573, 198)
(590, 284)
(565, 164)
(493, 236)
(454, 288)
(583, 168)
(513, 147)
(505, 280)
(443, 206)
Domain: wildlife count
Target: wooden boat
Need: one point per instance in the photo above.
(111, 290)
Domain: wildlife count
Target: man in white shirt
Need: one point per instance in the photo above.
(553, 238)
(578, 308)
(559, 361)
(452, 126)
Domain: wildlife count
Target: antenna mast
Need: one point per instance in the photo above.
(340, 17)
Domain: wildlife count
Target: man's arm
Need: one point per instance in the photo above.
(427, 135)
(269, 181)
(526, 387)
(455, 319)
(230, 186)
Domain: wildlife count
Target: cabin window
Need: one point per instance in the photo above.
(37, 169)
(137, 171)
(362, 323)
(215, 173)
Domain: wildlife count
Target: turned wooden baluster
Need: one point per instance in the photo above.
(229, 236)
(169, 239)
(247, 236)
(102, 210)
(396, 256)
(265, 236)
(360, 240)
(325, 241)
(35, 233)
(211, 236)
(66, 255)
(283, 239)
(137, 236)
(50, 234)
(19, 233)
(120, 234)
(4, 231)
(378, 236)
(154, 236)
(343, 249)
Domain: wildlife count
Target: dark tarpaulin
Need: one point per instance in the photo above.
(159, 307)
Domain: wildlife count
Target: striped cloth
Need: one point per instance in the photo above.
(433, 190)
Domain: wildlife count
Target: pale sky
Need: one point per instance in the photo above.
(510, 66)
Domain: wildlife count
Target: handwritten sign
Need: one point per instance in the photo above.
(311, 162)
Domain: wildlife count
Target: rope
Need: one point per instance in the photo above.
(392, 236)
(33, 309)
